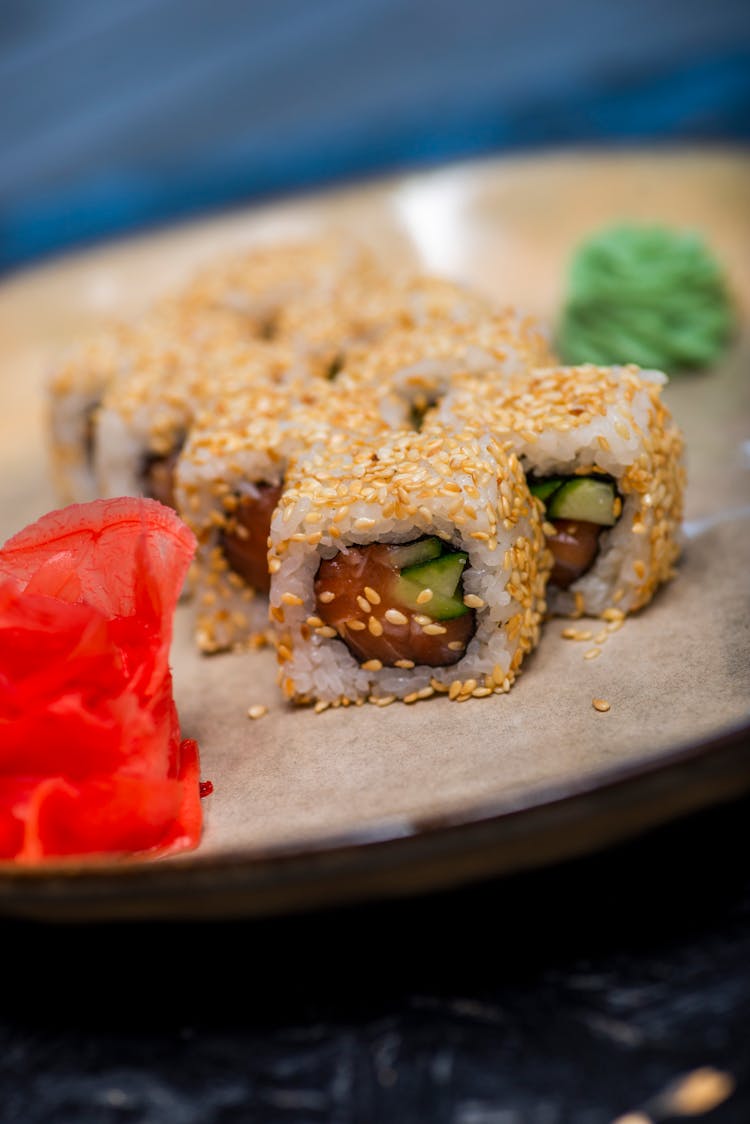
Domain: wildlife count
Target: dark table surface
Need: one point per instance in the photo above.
(577, 993)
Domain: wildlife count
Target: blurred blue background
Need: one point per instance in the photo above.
(116, 114)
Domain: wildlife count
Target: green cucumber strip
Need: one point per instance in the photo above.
(584, 498)
(545, 486)
(440, 608)
(407, 554)
(443, 577)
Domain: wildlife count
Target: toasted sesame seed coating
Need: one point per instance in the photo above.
(554, 418)
(248, 440)
(230, 301)
(413, 476)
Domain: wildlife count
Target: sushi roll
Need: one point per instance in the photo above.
(262, 280)
(415, 565)
(74, 391)
(418, 363)
(229, 479)
(604, 457)
(103, 362)
(144, 420)
(360, 313)
(240, 296)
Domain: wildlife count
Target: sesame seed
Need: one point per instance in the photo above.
(257, 711)
(372, 595)
(363, 524)
(456, 645)
(372, 665)
(315, 622)
(434, 629)
(473, 602)
(356, 626)
(600, 705)
(406, 664)
(592, 653)
(321, 706)
(412, 698)
(291, 599)
(326, 632)
(576, 634)
(422, 619)
(424, 596)
(395, 617)
(374, 626)
(326, 596)
(363, 603)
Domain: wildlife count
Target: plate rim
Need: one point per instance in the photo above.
(129, 883)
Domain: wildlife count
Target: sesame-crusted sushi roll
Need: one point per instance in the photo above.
(419, 363)
(331, 325)
(152, 342)
(74, 392)
(144, 420)
(229, 478)
(604, 457)
(262, 280)
(241, 295)
(425, 570)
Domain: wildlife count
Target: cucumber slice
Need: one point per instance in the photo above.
(546, 486)
(443, 577)
(584, 498)
(407, 554)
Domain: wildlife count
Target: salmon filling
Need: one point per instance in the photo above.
(579, 508)
(158, 478)
(245, 544)
(357, 595)
(574, 546)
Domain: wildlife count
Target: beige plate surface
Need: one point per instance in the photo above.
(361, 802)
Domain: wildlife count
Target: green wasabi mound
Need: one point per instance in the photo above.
(647, 295)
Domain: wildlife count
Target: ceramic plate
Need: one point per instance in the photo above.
(356, 803)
